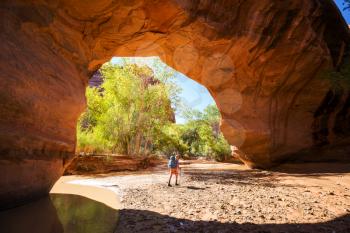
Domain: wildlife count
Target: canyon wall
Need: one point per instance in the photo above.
(261, 60)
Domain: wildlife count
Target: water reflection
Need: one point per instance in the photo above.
(60, 213)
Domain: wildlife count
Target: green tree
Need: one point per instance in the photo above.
(133, 112)
(202, 134)
(127, 115)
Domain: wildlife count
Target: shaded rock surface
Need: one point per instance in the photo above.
(259, 59)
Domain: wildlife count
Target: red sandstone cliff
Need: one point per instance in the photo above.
(259, 59)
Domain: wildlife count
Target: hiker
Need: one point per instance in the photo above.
(174, 167)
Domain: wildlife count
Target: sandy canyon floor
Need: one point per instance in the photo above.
(216, 197)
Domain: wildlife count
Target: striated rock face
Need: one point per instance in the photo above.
(261, 61)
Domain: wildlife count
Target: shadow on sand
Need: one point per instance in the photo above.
(132, 221)
(313, 169)
(268, 178)
(230, 177)
(75, 214)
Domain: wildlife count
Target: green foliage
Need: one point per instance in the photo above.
(127, 115)
(131, 114)
(169, 140)
(203, 135)
(199, 137)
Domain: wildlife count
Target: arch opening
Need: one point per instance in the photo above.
(141, 107)
(266, 55)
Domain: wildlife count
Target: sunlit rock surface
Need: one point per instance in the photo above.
(261, 61)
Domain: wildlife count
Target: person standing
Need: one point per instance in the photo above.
(174, 166)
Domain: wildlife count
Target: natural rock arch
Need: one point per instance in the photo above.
(259, 59)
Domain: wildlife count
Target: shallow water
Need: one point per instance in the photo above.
(60, 213)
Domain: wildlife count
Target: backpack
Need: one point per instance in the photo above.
(172, 162)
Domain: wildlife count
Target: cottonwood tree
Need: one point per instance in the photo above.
(128, 114)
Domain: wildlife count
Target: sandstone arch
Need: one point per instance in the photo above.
(259, 59)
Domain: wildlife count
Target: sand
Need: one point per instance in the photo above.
(100, 194)
(217, 197)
